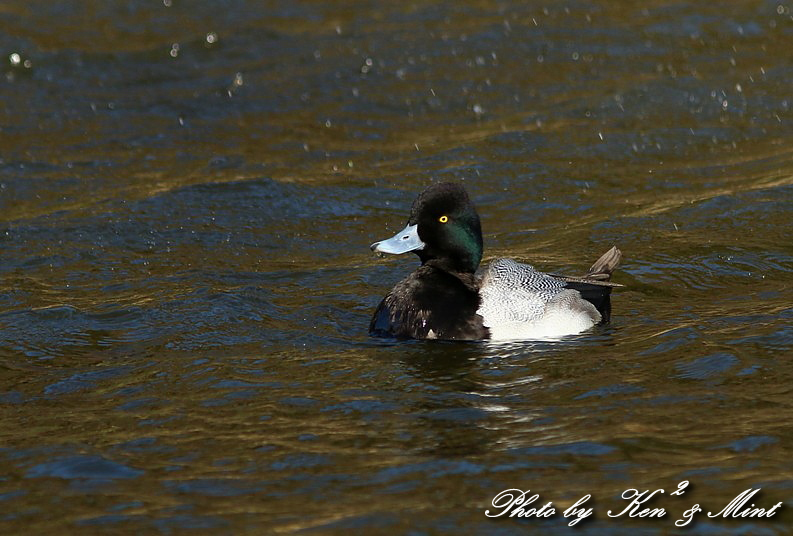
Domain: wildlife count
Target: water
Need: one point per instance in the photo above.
(188, 192)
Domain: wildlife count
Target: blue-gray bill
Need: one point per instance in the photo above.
(405, 240)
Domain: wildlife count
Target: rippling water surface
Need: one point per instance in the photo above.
(187, 195)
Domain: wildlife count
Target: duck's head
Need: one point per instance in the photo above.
(443, 230)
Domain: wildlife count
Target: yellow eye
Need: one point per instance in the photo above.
(443, 219)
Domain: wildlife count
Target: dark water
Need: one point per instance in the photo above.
(188, 191)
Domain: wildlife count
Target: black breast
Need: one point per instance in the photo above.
(430, 304)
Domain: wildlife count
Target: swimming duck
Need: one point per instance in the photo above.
(445, 298)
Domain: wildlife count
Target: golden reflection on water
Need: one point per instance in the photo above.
(186, 281)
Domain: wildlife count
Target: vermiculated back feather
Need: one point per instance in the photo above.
(515, 292)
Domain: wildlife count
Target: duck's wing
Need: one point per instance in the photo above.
(583, 280)
(600, 272)
(515, 292)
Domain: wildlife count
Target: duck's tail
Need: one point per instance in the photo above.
(595, 286)
(607, 263)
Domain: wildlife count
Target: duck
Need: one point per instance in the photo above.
(449, 297)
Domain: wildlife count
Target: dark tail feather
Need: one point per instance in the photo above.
(607, 263)
(594, 286)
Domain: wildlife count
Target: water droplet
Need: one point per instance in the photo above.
(212, 38)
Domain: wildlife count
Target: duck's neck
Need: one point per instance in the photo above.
(462, 255)
(466, 277)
